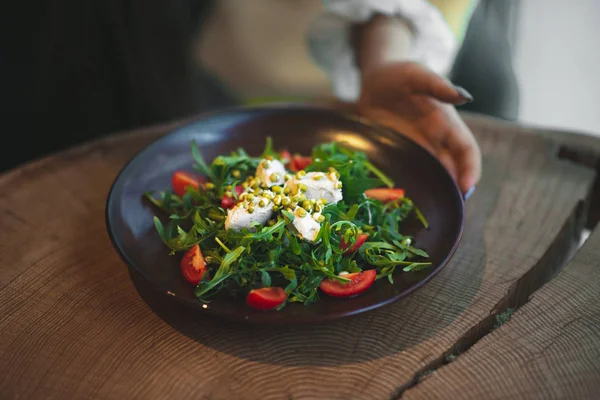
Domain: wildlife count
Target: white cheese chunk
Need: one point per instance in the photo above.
(239, 217)
(270, 172)
(306, 226)
(328, 186)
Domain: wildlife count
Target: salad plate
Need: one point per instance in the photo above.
(285, 215)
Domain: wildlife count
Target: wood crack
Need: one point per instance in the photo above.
(558, 254)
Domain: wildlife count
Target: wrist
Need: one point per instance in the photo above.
(381, 41)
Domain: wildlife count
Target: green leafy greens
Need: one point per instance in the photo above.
(274, 254)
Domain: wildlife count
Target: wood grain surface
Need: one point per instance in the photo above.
(75, 323)
(580, 148)
(550, 349)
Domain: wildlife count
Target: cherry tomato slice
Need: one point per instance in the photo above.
(193, 266)
(359, 282)
(266, 298)
(360, 240)
(299, 163)
(228, 202)
(385, 194)
(182, 180)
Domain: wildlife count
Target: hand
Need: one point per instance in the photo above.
(418, 103)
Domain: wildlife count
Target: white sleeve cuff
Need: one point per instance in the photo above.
(434, 44)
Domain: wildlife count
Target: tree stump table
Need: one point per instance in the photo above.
(516, 313)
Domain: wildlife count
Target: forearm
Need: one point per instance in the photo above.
(380, 41)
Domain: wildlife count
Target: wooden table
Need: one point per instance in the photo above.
(514, 315)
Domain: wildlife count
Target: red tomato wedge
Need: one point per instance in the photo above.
(299, 163)
(229, 202)
(266, 298)
(193, 266)
(360, 240)
(182, 180)
(359, 282)
(385, 194)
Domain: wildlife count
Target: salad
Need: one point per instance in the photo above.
(282, 228)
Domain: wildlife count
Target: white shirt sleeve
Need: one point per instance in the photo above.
(433, 45)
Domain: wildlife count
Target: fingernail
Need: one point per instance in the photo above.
(469, 192)
(467, 97)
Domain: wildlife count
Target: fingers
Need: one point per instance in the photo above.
(448, 162)
(427, 83)
(402, 81)
(464, 94)
(464, 151)
(443, 134)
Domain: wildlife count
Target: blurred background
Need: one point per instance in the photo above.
(557, 63)
(73, 71)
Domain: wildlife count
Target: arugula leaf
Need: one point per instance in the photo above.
(201, 165)
(380, 175)
(411, 249)
(416, 266)
(292, 285)
(222, 245)
(351, 214)
(287, 273)
(183, 241)
(160, 229)
(188, 201)
(224, 272)
(288, 215)
(268, 151)
(241, 152)
(294, 244)
(265, 278)
(421, 217)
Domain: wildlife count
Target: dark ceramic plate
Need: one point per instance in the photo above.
(130, 218)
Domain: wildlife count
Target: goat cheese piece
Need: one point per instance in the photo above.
(270, 173)
(247, 212)
(318, 185)
(306, 225)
